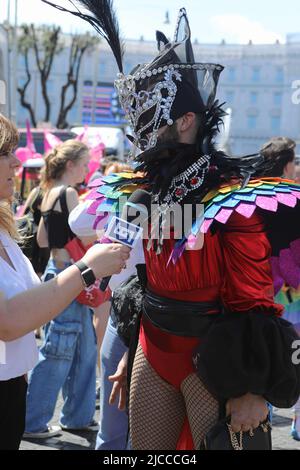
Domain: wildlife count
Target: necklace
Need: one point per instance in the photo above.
(181, 185)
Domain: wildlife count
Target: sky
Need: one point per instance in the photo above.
(235, 21)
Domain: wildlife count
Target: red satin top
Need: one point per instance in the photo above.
(233, 266)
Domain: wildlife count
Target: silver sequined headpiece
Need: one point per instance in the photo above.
(149, 93)
(155, 94)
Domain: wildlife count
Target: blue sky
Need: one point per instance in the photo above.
(236, 21)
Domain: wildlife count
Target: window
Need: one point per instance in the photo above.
(256, 72)
(128, 67)
(231, 74)
(252, 122)
(102, 68)
(72, 116)
(22, 81)
(277, 99)
(50, 86)
(253, 97)
(229, 97)
(279, 75)
(275, 124)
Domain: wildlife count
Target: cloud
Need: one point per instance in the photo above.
(239, 29)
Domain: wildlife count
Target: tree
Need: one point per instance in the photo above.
(79, 45)
(25, 44)
(46, 45)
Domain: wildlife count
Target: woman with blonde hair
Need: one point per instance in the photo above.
(68, 354)
(25, 304)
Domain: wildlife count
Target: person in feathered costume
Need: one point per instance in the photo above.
(210, 338)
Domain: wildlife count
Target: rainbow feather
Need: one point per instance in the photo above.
(106, 192)
(266, 195)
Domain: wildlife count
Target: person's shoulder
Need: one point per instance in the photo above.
(71, 191)
(72, 194)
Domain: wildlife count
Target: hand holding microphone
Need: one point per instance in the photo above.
(121, 230)
(106, 259)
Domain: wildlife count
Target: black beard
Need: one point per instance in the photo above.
(165, 161)
(169, 136)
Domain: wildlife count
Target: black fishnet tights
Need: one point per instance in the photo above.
(201, 407)
(157, 410)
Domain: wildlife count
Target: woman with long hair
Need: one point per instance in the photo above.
(25, 304)
(68, 354)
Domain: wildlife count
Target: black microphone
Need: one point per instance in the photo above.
(122, 230)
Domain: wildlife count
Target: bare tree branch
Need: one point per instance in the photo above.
(80, 44)
(46, 45)
(25, 45)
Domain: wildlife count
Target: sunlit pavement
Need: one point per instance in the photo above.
(86, 440)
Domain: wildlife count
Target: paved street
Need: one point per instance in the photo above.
(86, 440)
(66, 441)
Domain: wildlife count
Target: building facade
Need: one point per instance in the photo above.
(260, 83)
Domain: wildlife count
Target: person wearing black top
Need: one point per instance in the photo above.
(25, 303)
(68, 354)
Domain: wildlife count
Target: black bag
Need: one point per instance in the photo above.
(27, 230)
(27, 226)
(221, 437)
(126, 307)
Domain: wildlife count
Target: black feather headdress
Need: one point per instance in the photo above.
(101, 15)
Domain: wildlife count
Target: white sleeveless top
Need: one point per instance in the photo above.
(19, 356)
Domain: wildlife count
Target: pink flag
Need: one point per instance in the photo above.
(50, 141)
(96, 154)
(29, 139)
(23, 154)
(83, 136)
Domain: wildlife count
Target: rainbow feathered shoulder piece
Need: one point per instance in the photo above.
(267, 194)
(105, 192)
(276, 199)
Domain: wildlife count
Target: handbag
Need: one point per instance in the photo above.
(222, 437)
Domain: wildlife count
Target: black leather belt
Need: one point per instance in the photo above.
(181, 318)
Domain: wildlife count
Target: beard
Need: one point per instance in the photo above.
(169, 135)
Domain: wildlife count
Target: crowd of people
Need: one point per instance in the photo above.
(189, 333)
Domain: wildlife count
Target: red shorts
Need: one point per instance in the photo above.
(169, 355)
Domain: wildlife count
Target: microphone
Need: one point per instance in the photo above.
(121, 230)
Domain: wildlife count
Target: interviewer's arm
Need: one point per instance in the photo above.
(30, 309)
